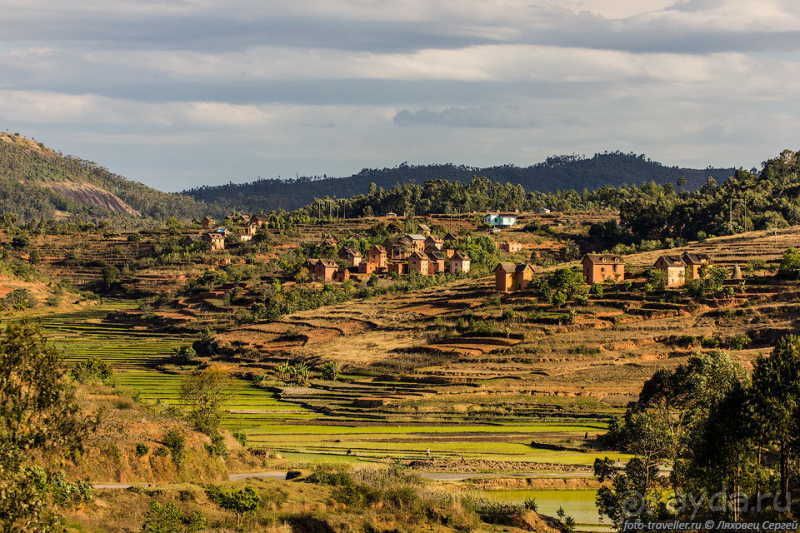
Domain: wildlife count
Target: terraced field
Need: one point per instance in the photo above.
(135, 352)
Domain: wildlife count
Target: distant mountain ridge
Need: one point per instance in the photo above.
(555, 173)
(39, 183)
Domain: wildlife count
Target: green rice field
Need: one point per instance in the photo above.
(135, 353)
(579, 504)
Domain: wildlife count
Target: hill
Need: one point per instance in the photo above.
(555, 173)
(37, 182)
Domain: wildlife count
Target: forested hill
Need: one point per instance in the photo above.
(556, 173)
(39, 183)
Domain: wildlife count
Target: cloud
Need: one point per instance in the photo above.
(472, 117)
(211, 90)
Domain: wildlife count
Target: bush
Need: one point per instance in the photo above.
(141, 449)
(184, 355)
(19, 299)
(240, 436)
(530, 504)
(596, 289)
(790, 264)
(162, 519)
(92, 369)
(242, 502)
(739, 342)
(174, 441)
(330, 371)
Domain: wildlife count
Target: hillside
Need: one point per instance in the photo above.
(37, 182)
(556, 173)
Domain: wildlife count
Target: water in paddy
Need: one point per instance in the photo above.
(579, 504)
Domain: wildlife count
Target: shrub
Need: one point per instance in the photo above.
(19, 299)
(34, 258)
(242, 502)
(217, 446)
(92, 369)
(240, 436)
(141, 449)
(596, 289)
(739, 342)
(508, 314)
(530, 504)
(174, 441)
(184, 355)
(790, 264)
(330, 371)
(162, 519)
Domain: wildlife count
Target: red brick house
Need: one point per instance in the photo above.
(437, 260)
(321, 269)
(398, 267)
(694, 262)
(674, 269)
(460, 262)
(420, 263)
(216, 239)
(598, 268)
(512, 277)
(351, 255)
(377, 254)
(434, 242)
(208, 222)
(511, 247)
(417, 242)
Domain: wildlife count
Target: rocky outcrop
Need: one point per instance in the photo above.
(91, 195)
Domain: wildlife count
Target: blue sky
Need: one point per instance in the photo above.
(177, 94)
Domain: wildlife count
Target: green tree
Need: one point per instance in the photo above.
(682, 184)
(776, 402)
(38, 413)
(790, 264)
(205, 391)
(241, 502)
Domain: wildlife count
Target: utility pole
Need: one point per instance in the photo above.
(730, 218)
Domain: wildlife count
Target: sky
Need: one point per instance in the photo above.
(183, 93)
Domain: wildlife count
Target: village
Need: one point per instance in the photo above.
(425, 253)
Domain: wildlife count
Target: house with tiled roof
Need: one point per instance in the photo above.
(598, 268)
(674, 269)
(512, 277)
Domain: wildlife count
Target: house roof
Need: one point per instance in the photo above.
(329, 263)
(436, 256)
(696, 259)
(208, 218)
(419, 255)
(191, 238)
(451, 237)
(461, 256)
(671, 261)
(349, 251)
(508, 268)
(378, 248)
(434, 238)
(423, 227)
(214, 235)
(416, 237)
(603, 259)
